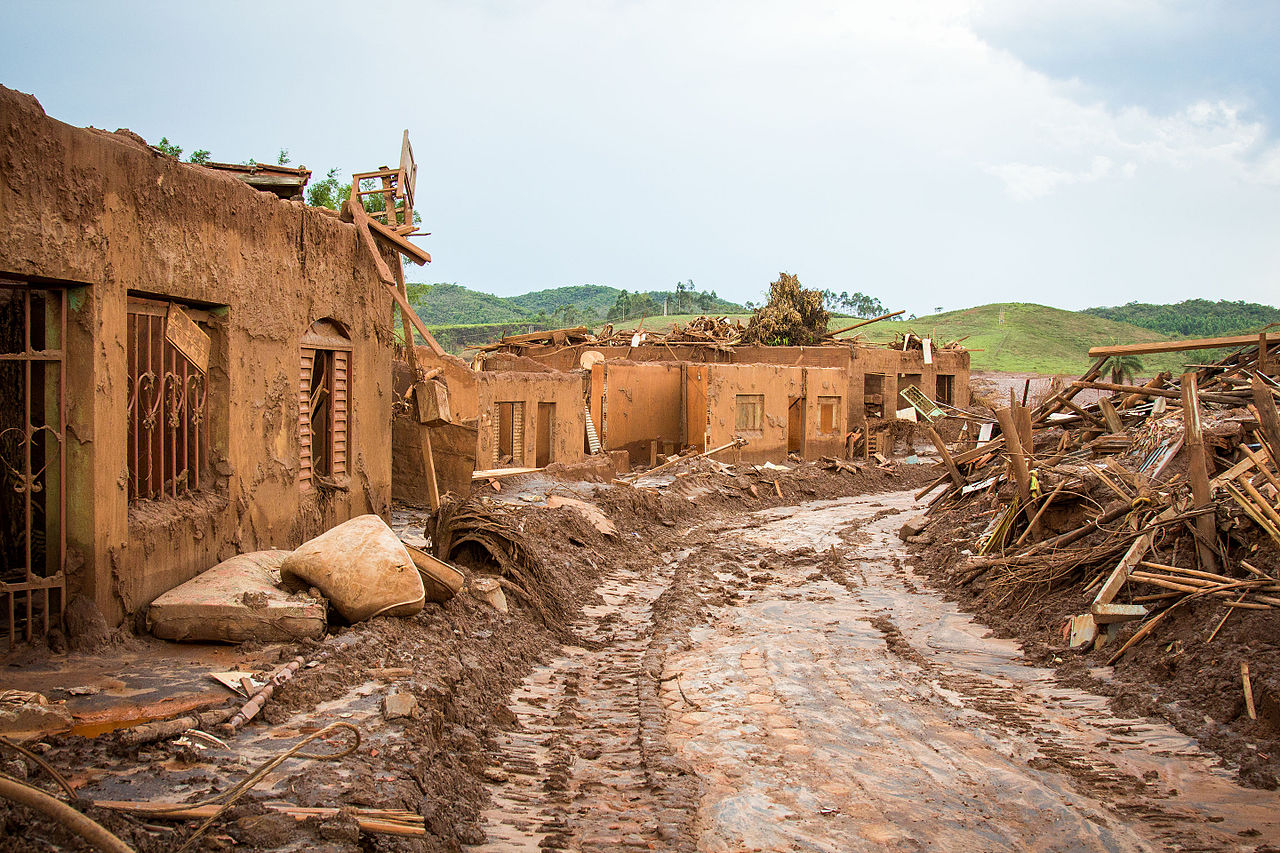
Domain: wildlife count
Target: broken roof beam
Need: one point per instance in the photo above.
(1179, 346)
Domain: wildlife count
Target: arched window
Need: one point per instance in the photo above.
(323, 407)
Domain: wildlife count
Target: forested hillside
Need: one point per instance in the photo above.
(1197, 318)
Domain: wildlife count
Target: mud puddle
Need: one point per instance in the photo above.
(836, 704)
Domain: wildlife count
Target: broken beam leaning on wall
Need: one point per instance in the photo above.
(368, 229)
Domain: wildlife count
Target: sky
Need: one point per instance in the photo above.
(932, 154)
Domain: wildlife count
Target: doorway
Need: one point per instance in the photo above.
(795, 425)
(546, 428)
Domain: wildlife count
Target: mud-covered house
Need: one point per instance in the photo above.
(189, 368)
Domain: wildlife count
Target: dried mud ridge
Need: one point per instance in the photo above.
(783, 681)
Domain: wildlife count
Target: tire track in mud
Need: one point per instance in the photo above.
(854, 711)
(586, 766)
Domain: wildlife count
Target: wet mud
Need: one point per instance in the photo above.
(815, 694)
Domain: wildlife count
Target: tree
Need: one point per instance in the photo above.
(328, 192)
(282, 159)
(1122, 367)
(164, 146)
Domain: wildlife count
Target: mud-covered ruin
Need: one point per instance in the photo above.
(280, 573)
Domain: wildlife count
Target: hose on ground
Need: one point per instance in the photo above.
(90, 830)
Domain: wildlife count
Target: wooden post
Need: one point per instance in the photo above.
(1264, 357)
(1198, 470)
(952, 469)
(1018, 462)
(1022, 416)
(1267, 414)
(429, 465)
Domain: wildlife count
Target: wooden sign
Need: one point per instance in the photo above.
(187, 338)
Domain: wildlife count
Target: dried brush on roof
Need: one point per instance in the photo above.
(793, 316)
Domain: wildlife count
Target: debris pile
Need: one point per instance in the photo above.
(792, 317)
(1147, 500)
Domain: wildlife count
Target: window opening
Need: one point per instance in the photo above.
(873, 395)
(509, 446)
(323, 404)
(946, 389)
(905, 380)
(168, 437)
(33, 327)
(750, 415)
(828, 415)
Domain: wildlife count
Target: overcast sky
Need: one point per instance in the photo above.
(934, 153)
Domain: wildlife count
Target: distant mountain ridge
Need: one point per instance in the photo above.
(583, 304)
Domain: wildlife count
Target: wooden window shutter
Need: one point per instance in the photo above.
(341, 362)
(304, 419)
(517, 432)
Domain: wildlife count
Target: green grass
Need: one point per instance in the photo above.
(1034, 338)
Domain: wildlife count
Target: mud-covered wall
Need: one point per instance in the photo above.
(106, 216)
(896, 366)
(778, 385)
(635, 404)
(568, 425)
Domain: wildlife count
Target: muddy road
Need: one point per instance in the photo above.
(786, 682)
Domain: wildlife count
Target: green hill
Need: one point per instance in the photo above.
(1018, 336)
(453, 304)
(1194, 318)
(595, 299)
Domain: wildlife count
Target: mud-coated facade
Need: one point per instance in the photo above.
(164, 469)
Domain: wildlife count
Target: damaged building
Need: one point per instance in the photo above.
(657, 398)
(191, 369)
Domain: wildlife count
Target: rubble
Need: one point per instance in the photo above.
(1162, 495)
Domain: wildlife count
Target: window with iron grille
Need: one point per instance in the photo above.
(168, 395)
(33, 333)
(323, 404)
(750, 415)
(829, 415)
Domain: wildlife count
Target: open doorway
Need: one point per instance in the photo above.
(795, 425)
(546, 428)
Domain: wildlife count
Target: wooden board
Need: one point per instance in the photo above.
(1179, 346)
(188, 338)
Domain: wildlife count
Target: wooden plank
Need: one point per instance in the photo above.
(1180, 346)
(1106, 614)
(1143, 391)
(1018, 463)
(400, 244)
(499, 473)
(429, 466)
(188, 338)
(1112, 417)
(1198, 472)
(1125, 567)
(952, 468)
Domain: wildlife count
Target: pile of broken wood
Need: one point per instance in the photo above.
(1154, 497)
(722, 333)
